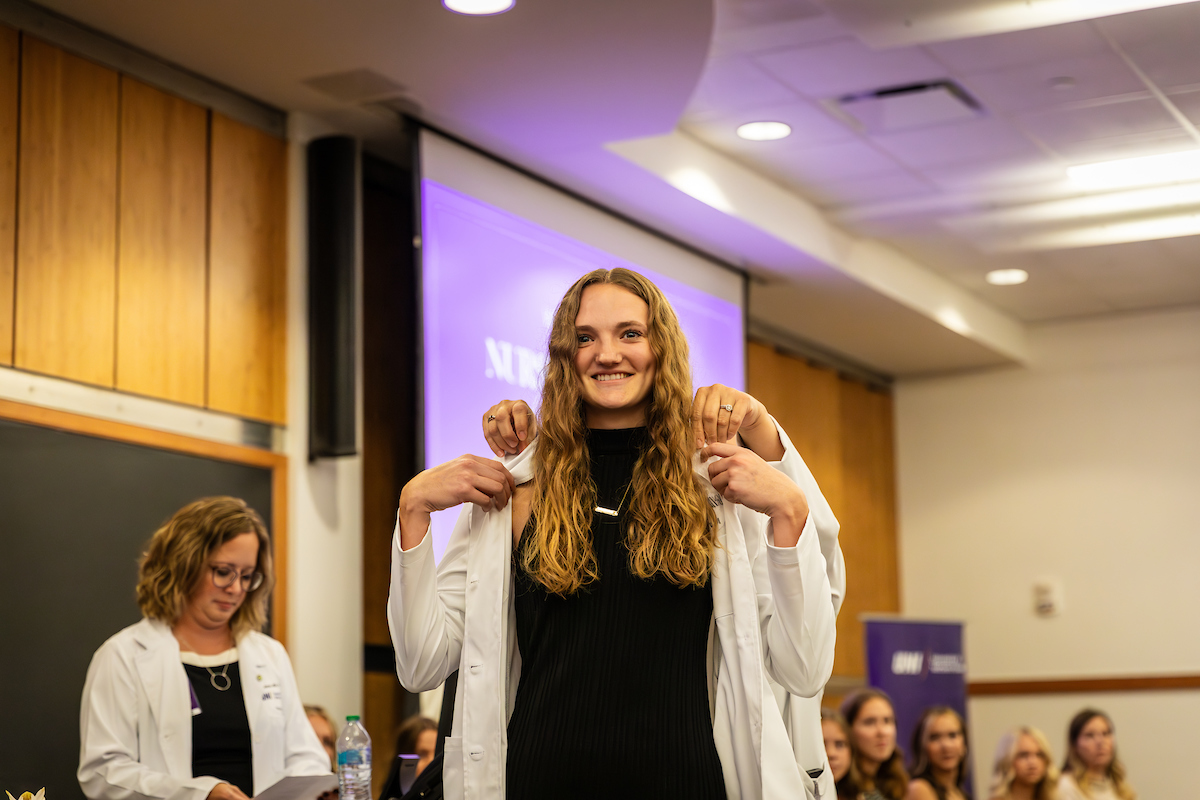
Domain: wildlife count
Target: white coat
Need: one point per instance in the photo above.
(135, 721)
(773, 626)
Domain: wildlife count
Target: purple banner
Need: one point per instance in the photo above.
(920, 664)
(491, 282)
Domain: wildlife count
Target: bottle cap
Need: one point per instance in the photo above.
(352, 718)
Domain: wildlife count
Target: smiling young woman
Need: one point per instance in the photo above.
(616, 623)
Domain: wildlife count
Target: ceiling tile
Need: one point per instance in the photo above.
(845, 66)
(1039, 86)
(1189, 103)
(998, 174)
(1018, 48)
(974, 140)
(1060, 127)
(1163, 42)
(734, 83)
(810, 125)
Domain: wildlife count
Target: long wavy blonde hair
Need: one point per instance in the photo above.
(671, 528)
(1074, 766)
(1004, 774)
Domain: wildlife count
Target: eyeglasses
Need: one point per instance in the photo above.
(223, 577)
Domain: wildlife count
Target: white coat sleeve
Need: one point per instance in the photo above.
(427, 607)
(797, 601)
(108, 738)
(303, 753)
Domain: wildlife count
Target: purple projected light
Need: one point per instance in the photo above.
(491, 283)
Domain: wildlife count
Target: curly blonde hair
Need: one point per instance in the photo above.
(178, 554)
(671, 528)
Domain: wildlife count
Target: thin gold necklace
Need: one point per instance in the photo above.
(615, 512)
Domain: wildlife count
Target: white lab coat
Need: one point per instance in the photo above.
(135, 721)
(773, 625)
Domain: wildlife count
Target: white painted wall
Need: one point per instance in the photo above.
(325, 621)
(1085, 467)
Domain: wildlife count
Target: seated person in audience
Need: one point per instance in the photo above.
(1024, 768)
(876, 763)
(417, 736)
(1092, 770)
(326, 731)
(193, 702)
(939, 747)
(836, 734)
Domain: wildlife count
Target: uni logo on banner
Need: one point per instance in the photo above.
(905, 662)
(914, 662)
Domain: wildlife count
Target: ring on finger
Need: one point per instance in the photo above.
(727, 407)
(491, 417)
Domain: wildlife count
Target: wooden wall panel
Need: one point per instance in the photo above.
(162, 222)
(10, 54)
(247, 272)
(843, 430)
(868, 518)
(66, 224)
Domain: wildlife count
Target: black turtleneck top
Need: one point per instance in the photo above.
(613, 697)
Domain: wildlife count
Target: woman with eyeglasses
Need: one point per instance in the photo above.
(193, 702)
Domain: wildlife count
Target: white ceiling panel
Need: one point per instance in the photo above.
(1050, 84)
(1188, 102)
(845, 66)
(1061, 127)
(1019, 48)
(974, 140)
(1163, 42)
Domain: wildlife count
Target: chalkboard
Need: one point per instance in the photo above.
(76, 512)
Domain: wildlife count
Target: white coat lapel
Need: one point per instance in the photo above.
(167, 693)
(253, 669)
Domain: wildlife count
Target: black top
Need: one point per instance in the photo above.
(221, 731)
(613, 698)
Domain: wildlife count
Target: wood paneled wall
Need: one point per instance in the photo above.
(843, 430)
(142, 237)
(66, 216)
(161, 302)
(247, 217)
(10, 55)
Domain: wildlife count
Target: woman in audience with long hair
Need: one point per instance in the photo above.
(939, 746)
(1024, 767)
(876, 763)
(836, 735)
(1092, 770)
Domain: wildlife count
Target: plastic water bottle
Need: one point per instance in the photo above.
(354, 761)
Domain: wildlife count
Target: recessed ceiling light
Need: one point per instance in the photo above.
(764, 131)
(1144, 170)
(1007, 277)
(478, 7)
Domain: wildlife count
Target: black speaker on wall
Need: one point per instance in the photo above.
(332, 248)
